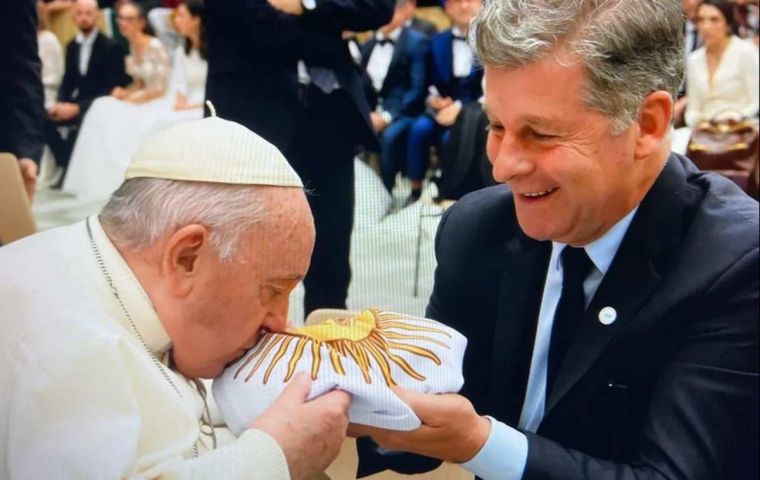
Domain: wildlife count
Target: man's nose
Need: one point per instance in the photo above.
(277, 319)
(510, 160)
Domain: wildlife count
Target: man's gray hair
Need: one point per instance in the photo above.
(142, 210)
(628, 48)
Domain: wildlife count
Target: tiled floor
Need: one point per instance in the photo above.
(382, 251)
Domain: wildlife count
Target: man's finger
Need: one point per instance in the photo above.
(430, 408)
(338, 397)
(297, 390)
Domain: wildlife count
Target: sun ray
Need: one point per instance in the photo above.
(280, 353)
(382, 363)
(253, 355)
(415, 328)
(263, 355)
(422, 352)
(406, 367)
(295, 358)
(335, 359)
(401, 336)
(316, 354)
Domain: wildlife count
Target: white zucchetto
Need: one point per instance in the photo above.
(212, 150)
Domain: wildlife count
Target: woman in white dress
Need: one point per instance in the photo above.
(51, 57)
(116, 126)
(722, 77)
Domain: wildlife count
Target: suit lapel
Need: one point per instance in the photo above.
(522, 279)
(398, 49)
(633, 276)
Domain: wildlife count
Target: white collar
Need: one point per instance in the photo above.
(458, 33)
(395, 33)
(602, 250)
(81, 38)
(135, 299)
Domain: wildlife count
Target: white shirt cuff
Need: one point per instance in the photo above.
(503, 456)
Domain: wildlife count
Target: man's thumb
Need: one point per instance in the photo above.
(297, 390)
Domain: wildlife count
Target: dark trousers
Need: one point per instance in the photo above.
(323, 156)
(61, 147)
(310, 130)
(393, 142)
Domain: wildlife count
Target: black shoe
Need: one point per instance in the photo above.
(410, 200)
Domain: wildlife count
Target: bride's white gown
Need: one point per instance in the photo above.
(113, 130)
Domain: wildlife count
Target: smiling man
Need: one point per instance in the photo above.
(109, 322)
(610, 293)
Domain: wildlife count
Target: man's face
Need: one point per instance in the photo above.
(572, 178)
(85, 15)
(238, 299)
(689, 8)
(462, 11)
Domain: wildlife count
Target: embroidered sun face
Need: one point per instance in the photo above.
(369, 338)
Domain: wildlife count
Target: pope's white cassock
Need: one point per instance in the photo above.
(81, 397)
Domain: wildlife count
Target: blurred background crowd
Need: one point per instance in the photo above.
(116, 72)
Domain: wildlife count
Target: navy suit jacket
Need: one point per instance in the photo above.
(441, 71)
(105, 71)
(670, 389)
(22, 110)
(253, 52)
(404, 88)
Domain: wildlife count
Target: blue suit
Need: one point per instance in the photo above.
(402, 96)
(425, 131)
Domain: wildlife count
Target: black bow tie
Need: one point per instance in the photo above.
(385, 41)
(461, 38)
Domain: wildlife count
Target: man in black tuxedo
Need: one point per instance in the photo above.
(21, 94)
(394, 60)
(282, 69)
(94, 66)
(610, 294)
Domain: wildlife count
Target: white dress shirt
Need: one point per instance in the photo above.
(505, 452)
(462, 54)
(85, 49)
(380, 58)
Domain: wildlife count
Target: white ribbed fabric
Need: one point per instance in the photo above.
(212, 150)
(361, 354)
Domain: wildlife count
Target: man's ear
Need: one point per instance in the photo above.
(182, 257)
(653, 123)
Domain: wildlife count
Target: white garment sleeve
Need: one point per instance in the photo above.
(694, 100)
(179, 77)
(750, 72)
(97, 410)
(504, 455)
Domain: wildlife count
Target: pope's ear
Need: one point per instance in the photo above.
(653, 122)
(183, 257)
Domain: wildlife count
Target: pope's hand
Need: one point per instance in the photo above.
(451, 428)
(309, 433)
(293, 7)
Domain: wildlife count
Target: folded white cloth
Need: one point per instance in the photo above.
(361, 354)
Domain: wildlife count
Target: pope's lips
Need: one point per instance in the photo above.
(537, 195)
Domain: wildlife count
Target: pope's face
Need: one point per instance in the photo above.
(236, 300)
(572, 178)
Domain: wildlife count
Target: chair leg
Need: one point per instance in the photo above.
(418, 253)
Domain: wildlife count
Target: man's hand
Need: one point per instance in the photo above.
(293, 7)
(119, 92)
(439, 103)
(63, 111)
(28, 169)
(447, 116)
(309, 433)
(378, 122)
(451, 428)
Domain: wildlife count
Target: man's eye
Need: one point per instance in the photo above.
(494, 128)
(541, 136)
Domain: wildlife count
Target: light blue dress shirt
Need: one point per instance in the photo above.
(505, 452)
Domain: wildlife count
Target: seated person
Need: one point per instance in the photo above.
(94, 67)
(455, 79)
(114, 128)
(722, 77)
(394, 59)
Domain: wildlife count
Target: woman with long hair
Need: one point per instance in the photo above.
(722, 76)
(190, 66)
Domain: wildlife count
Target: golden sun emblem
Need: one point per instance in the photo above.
(371, 335)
